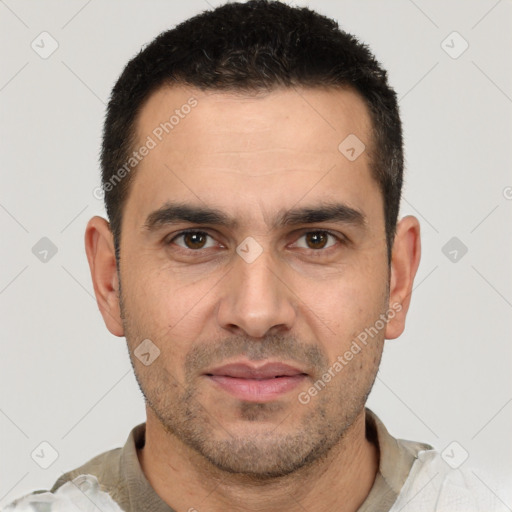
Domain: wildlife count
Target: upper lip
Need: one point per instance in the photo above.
(249, 371)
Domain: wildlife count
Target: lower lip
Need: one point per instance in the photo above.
(257, 390)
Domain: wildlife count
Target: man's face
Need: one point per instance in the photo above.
(298, 291)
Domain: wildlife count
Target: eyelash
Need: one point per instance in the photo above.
(340, 239)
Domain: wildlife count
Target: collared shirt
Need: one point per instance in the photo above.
(408, 472)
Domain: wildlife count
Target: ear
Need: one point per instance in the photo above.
(99, 246)
(405, 260)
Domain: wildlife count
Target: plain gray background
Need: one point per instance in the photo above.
(68, 382)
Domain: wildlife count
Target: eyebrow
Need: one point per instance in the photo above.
(174, 213)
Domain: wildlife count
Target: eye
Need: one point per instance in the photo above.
(317, 240)
(197, 240)
(193, 240)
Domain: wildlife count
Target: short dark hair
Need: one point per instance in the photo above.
(250, 47)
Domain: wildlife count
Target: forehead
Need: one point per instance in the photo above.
(298, 119)
(231, 150)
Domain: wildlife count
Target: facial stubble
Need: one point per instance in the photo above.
(301, 438)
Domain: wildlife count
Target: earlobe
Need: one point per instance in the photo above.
(99, 246)
(404, 265)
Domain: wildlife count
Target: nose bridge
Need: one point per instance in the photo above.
(255, 299)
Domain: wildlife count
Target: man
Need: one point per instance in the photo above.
(252, 167)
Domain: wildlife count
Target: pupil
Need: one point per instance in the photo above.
(318, 240)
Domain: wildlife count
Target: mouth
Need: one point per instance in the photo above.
(253, 383)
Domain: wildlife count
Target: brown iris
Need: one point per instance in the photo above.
(316, 239)
(194, 240)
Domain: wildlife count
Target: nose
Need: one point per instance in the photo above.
(255, 298)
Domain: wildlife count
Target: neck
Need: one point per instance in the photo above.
(185, 480)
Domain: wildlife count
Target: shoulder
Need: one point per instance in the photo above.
(105, 480)
(83, 493)
(434, 486)
(88, 485)
(105, 467)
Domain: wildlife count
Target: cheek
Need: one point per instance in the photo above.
(166, 308)
(348, 310)
(346, 301)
